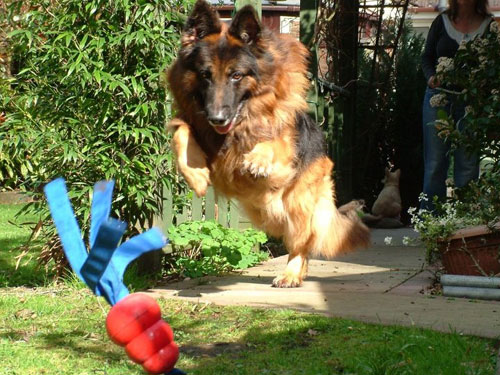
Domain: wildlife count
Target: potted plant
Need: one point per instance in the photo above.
(458, 235)
(472, 251)
(464, 232)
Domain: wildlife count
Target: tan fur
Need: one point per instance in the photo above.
(255, 162)
(388, 203)
(191, 160)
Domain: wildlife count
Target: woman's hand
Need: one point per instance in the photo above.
(433, 82)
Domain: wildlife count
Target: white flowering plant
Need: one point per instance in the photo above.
(472, 77)
(476, 204)
(434, 227)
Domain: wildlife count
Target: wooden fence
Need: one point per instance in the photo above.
(210, 207)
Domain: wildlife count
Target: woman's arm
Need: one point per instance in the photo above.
(429, 57)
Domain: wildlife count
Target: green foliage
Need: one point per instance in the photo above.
(434, 227)
(478, 203)
(481, 197)
(208, 248)
(13, 165)
(88, 102)
(16, 163)
(472, 78)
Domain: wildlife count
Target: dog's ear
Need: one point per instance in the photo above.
(246, 25)
(398, 173)
(203, 21)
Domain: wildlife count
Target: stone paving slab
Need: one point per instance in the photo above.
(14, 197)
(382, 284)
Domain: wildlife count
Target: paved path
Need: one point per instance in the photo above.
(385, 284)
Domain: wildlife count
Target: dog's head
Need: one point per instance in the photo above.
(222, 63)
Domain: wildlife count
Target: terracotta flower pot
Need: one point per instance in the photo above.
(472, 251)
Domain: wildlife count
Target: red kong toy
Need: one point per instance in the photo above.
(135, 323)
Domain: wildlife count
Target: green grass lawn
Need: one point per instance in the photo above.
(59, 329)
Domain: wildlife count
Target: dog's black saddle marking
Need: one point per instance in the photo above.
(310, 140)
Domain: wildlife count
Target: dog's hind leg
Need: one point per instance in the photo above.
(314, 225)
(334, 231)
(191, 160)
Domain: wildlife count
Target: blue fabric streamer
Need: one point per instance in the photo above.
(126, 253)
(102, 268)
(101, 207)
(108, 237)
(66, 224)
(176, 371)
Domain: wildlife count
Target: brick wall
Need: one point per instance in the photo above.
(433, 3)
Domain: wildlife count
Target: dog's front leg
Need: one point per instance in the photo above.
(274, 157)
(259, 162)
(191, 160)
(295, 272)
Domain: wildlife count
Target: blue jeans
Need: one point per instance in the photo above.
(437, 154)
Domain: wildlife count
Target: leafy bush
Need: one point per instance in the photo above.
(88, 103)
(14, 165)
(15, 161)
(435, 226)
(478, 203)
(207, 248)
(482, 197)
(473, 78)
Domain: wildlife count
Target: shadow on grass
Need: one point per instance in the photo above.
(257, 341)
(79, 343)
(76, 342)
(13, 237)
(308, 345)
(289, 346)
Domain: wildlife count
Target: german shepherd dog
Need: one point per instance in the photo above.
(241, 126)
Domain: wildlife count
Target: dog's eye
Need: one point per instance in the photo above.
(237, 76)
(205, 74)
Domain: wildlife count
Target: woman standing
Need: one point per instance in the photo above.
(462, 21)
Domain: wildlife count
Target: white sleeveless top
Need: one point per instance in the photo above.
(458, 36)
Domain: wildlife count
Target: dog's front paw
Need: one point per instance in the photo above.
(198, 179)
(258, 163)
(287, 281)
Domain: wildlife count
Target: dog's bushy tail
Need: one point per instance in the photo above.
(337, 231)
(315, 225)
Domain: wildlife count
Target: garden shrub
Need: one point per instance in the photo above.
(473, 78)
(436, 226)
(15, 161)
(88, 101)
(478, 203)
(14, 165)
(202, 248)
